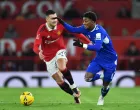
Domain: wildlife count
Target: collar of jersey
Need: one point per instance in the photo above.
(49, 29)
(94, 28)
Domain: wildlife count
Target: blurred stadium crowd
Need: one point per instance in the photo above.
(19, 21)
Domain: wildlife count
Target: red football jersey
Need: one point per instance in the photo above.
(50, 41)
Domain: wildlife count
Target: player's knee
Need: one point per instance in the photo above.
(88, 79)
(58, 78)
(62, 68)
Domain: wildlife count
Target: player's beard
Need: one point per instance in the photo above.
(52, 26)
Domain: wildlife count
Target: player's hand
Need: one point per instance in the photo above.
(60, 20)
(77, 42)
(41, 56)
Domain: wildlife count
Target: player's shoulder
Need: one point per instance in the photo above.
(42, 27)
(100, 29)
(60, 26)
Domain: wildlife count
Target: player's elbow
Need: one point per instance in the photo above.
(96, 47)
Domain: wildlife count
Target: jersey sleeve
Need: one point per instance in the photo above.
(98, 43)
(37, 42)
(83, 38)
(72, 29)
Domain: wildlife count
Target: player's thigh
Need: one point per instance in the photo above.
(61, 59)
(92, 69)
(109, 74)
(52, 67)
(58, 77)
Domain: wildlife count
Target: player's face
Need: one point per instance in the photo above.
(51, 21)
(88, 23)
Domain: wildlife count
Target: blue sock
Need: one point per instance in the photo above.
(104, 91)
(96, 77)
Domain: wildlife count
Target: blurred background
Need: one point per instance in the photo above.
(20, 19)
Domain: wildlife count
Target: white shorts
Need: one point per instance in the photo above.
(52, 66)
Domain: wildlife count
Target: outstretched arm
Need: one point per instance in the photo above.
(82, 37)
(71, 28)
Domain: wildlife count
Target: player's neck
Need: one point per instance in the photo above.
(51, 27)
(92, 27)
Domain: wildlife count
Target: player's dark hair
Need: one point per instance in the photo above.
(91, 15)
(49, 12)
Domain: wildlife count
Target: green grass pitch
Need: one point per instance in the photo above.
(56, 99)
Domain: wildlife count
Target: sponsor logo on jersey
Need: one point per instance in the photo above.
(98, 36)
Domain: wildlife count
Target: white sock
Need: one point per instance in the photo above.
(73, 86)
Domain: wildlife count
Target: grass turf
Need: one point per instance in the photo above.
(56, 99)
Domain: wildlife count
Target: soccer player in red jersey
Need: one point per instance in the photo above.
(50, 47)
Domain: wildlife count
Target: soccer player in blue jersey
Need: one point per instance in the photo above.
(106, 57)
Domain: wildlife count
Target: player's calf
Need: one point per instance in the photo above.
(62, 84)
(67, 75)
(105, 90)
(61, 62)
(65, 87)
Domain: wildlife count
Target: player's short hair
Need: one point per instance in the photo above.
(49, 12)
(91, 15)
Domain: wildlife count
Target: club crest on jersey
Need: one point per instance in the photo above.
(59, 32)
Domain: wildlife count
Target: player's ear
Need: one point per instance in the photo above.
(93, 22)
(46, 18)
